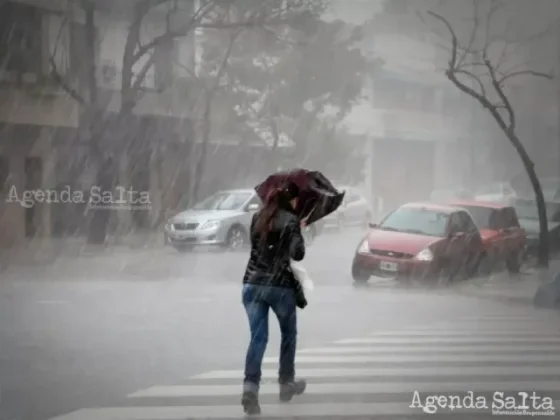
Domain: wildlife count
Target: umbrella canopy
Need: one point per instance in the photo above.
(318, 197)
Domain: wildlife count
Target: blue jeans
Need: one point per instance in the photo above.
(257, 301)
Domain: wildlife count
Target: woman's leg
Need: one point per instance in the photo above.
(257, 313)
(284, 306)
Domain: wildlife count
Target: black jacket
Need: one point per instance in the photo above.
(269, 262)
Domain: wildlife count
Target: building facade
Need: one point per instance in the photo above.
(44, 106)
(425, 133)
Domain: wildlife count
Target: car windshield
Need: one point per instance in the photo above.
(418, 221)
(223, 201)
(527, 209)
(482, 216)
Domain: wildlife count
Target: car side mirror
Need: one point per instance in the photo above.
(373, 225)
(252, 207)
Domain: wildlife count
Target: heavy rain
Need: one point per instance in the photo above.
(193, 191)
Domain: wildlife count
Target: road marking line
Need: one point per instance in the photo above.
(468, 333)
(447, 340)
(428, 371)
(422, 358)
(286, 411)
(498, 348)
(179, 391)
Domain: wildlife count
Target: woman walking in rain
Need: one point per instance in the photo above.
(269, 283)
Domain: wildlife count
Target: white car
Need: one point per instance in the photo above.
(354, 211)
(497, 192)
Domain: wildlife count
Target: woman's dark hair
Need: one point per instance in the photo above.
(275, 200)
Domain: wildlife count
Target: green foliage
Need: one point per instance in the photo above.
(286, 73)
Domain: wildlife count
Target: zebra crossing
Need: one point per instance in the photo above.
(384, 374)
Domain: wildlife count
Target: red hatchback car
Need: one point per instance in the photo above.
(503, 237)
(426, 241)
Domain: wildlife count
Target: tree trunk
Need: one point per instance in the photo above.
(201, 162)
(543, 250)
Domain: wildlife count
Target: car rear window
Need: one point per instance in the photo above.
(509, 218)
(484, 217)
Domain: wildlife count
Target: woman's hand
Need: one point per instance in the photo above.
(303, 223)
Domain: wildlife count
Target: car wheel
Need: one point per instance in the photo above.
(184, 248)
(236, 238)
(360, 275)
(447, 274)
(513, 262)
(485, 266)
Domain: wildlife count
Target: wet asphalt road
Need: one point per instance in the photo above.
(87, 333)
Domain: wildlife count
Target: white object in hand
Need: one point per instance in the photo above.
(302, 275)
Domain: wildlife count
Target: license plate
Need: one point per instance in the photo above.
(388, 266)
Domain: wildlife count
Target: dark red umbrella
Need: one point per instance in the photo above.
(318, 197)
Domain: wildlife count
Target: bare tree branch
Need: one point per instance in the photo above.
(524, 73)
(142, 73)
(508, 127)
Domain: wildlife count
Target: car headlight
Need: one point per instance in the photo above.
(364, 247)
(169, 226)
(211, 224)
(425, 255)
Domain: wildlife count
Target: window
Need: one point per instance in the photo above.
(165, 55)
(223, 201)
(509, 218)
(466, 223)
(482, 216)
(419, 221)
(79, 57)
(455, 224)
(390, 94)
(421, 97)
(254, 200)
(20, 38)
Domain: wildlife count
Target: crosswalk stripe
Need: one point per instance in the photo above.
(465, 333)
(428, 371)
(517, 358)
(494, 348)
(283, 411)
(178, 391)
(487, 323)
(517, 343)
(443, 340)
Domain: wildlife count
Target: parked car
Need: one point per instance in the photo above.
(354, 211)
(551, 188)
(501, 192)
(425, 241)
(529, 219)
(502, 235)
(223, 219)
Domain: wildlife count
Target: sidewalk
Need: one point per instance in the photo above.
(520, 289)
(75, 250)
